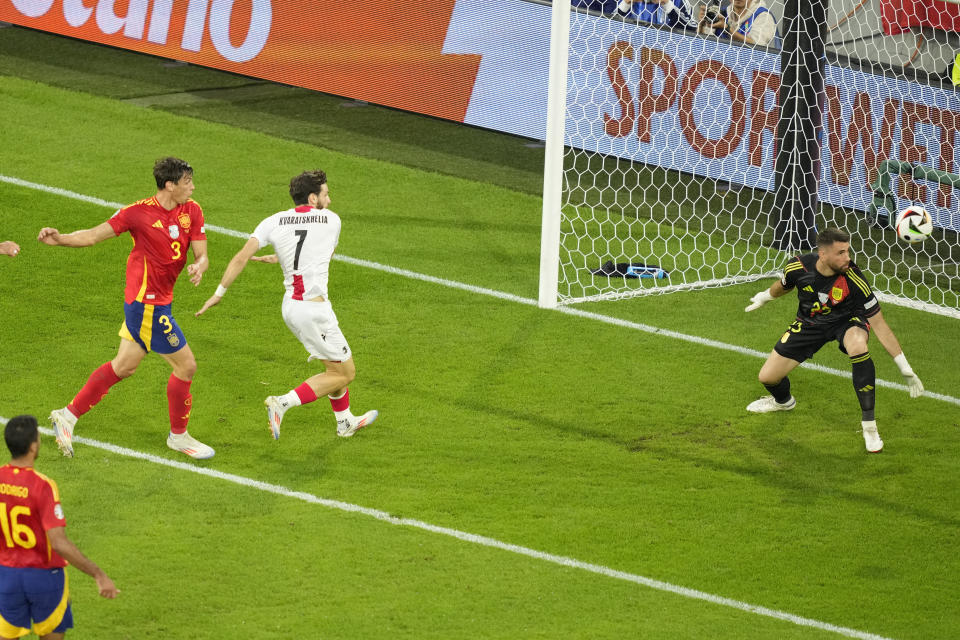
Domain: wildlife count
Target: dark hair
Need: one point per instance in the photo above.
(831, 235)
(20, 433)
(303, 185)
(171, 169)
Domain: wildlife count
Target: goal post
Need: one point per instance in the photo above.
(677, 160)
(553, 160)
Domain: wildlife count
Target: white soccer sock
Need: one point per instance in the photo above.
(346, 414)
(290, 399)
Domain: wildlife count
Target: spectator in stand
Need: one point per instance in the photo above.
(746, 21)
(672, 13)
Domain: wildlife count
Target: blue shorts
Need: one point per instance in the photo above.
(38, 595)
(152, 327)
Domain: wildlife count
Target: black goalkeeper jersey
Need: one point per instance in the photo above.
(828, 300)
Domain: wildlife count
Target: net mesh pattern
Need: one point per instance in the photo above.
(672, 137)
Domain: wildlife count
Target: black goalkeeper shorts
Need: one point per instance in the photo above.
(801, 340)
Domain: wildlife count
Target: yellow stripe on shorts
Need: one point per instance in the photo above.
(53, 621)
(146, 327)
(8, 630)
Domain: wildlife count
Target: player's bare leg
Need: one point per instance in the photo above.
(336, 376)
(129, 355)
(180, 403)
(773, 375)
(128, 358)
(347, 423)
(183, 363)
(864, 383)
(332, 383)
(334, 379)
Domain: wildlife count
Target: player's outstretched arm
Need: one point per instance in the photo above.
(200, 262)
(81, 238)
(775, 291)
(234, 269)
(69, 551)
(889, 341)
(9, 248)
(268, 259)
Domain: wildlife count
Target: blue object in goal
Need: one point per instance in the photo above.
(630, 270)
(645, 271)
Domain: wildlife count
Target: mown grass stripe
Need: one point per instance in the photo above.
(627, 324)
(473, 538)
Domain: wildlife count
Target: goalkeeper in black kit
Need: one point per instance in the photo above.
(836, 303)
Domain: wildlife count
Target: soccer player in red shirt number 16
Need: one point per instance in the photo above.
(163, 227)
(34, 548)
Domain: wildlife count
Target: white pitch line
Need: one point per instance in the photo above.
(484, 541)
(453, 284)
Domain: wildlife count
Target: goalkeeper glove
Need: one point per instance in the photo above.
(759, 300)
(913, 382)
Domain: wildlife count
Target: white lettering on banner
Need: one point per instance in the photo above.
(133, 23)
(193, 30)
(33, 8)
(109, 22)
(75, 13)
(160, 21)
(260, 19)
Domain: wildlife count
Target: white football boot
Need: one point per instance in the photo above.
(871, 437)
(185, 443)
(766, 404)
(349, 426)
(275, 411)
(63, 423)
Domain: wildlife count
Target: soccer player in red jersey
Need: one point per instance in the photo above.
(163, 228)
(35, 549)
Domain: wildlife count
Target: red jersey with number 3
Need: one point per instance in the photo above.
(29, 506)
(160, 242)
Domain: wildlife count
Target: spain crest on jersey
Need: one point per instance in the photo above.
(173, 339)
(184, 219)
(840, 290)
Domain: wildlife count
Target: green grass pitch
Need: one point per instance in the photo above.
(565, 435)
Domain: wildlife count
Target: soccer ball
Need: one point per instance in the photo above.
(913, 224)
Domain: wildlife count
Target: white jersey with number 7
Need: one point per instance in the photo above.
(304, 239)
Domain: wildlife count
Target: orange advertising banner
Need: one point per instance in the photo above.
(391, 57)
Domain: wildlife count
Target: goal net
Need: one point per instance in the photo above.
(678, 158)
